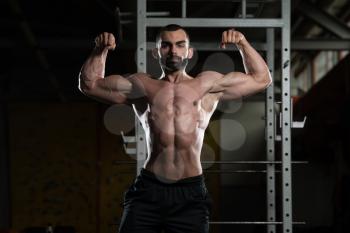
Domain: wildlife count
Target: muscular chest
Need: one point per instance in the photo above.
(174, 98)
(182, 102)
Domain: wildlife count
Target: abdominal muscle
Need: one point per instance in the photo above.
(176, 141)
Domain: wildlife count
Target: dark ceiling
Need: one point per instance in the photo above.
(44, 43)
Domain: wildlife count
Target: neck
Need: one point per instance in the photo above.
(175, 76)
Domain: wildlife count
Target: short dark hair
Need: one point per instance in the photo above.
(171, 28)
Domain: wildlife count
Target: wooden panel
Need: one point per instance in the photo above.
(114, 179)
(63, 171)
(53, 165)
(213, 181)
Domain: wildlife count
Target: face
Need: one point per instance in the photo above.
(173, 50)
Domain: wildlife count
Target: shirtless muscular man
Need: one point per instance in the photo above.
(170, 194)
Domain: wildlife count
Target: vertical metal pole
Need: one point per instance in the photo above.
(183, 9)
(286, 121)
(141, 67)
(270, 134)
(244, 9)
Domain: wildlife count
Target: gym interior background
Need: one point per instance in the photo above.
(65, 163)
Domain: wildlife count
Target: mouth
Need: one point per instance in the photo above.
(174, 63)
(174, 59)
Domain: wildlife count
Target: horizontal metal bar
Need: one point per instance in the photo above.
(216, 1)
(307, 44)
(237, 171)
(215, 46)
(150, 13)
(250, 223)
(210, 171)
(129, 151)
(320, 44)
(166, 13)
(77, 43)
(127, 139)
(215, 22)
(116, 162)
(252, 162)
(238, 223)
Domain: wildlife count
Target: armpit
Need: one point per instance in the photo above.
(210, 101)
(138, 85)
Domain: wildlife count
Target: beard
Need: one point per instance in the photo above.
(173, 63)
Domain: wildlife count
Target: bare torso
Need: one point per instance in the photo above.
(175, 110)
(175, 120)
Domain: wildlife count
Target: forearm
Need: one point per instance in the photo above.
(254, 64)
(93, 68)
(92, 80)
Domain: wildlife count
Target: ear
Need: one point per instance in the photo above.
(190, 53)
(155, 53)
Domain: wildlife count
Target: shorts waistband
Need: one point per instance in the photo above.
(146, 174)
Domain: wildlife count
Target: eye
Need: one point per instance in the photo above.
(164, 45)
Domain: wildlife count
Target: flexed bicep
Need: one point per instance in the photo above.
(115, 89)
(235, 85)
(111, 89)
(256, 78)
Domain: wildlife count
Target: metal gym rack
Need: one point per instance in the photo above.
(285, 113)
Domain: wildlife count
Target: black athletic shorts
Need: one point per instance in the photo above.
(153, 204)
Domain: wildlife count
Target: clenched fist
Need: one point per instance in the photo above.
(105, 41)
(231, 36)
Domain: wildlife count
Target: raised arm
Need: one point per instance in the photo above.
(92, 80)
(237, 84)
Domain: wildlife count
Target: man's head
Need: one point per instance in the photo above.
(172, 48)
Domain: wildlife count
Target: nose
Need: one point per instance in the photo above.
(172, 50)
